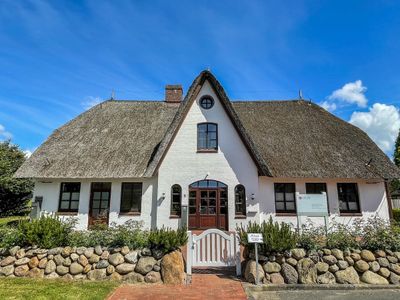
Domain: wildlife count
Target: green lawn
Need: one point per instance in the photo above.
(5, 221)
(25, 288)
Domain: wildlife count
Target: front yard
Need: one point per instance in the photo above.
(25, 288)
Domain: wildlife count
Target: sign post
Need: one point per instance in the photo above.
(255, 238)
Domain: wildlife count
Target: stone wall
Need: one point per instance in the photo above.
(98, 263)
(327, 266)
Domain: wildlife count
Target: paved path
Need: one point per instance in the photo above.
(204, 286)
(378, 294)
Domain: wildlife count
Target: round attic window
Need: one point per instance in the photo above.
(206, 102)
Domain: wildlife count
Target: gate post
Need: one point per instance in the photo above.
(237, 256)
(189, 253)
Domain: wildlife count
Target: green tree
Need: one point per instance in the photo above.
(395, 184)
(396, 154)
(14, 192)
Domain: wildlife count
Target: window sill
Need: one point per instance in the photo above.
(67, 213)
(350, 214)
(129, 214)
(240, 217)
(207, 151)
(174, 217)
(286, 214)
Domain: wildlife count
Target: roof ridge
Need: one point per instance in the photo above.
(135, 100)
(267, 100)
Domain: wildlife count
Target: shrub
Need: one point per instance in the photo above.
(45, 232)
(311, 237)
(396, 214)
(380, 234)
(9, 237)
(342, 236)
(278, 237)
(130, 234)
(90, 238)
(167, 240)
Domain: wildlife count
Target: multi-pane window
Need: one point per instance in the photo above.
(315, 187)
(69, 196)
(206, 102)
(207, 136)
(285, 198)
(348, 198)
(131, 197)
(176, 200)
(240, 200)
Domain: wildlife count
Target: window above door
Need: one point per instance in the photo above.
(207, 137)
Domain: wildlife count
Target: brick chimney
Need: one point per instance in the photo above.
(173, 93)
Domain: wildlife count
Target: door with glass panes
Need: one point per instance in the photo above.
(99, 208)
(208, 205)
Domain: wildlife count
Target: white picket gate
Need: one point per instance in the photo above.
(213, 248)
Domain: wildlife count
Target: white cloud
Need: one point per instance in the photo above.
(381, 123)
(28, 153)
(91, 101)
(352, 92)
(4, 134)
(329, 106)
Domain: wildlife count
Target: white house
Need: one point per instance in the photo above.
(207, 162)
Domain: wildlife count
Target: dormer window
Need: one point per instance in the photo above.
(206, 102)
(207, 137)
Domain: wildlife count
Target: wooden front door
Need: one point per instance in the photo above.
(208, 208)
(99, 208)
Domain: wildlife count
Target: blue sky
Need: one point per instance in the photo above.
(59, 57)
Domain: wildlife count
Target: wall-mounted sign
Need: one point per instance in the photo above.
(312, 205)
(255, 238)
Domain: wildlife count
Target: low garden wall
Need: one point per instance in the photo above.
(326, 266)
(93, 263)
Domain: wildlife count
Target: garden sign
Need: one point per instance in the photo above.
(312, 205)
(255, 238)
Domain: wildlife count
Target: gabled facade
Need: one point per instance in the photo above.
(207, 162)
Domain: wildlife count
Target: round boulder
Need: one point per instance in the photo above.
(361, 266)
(272, 267)
(33, 262)
(152, 277)
(383, 262)
(251, 271)
(125, 268)
(75, 268)
(384, 272)
(329, 259)
(144, 265)
(131, 257)
(289, 274)
(374, 266)
(338, 254)
(322, 267)
(21, 271)
(50, 267)
(173, 268)
(367, 255)
(276, 278)
(117, 259)
(102, 264)
(326, 278)
(298, 253)
(349, 276)
(373, 278)
(307, 271)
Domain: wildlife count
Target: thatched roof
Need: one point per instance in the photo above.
(115, 139)
(127, 139)
(301, 139)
